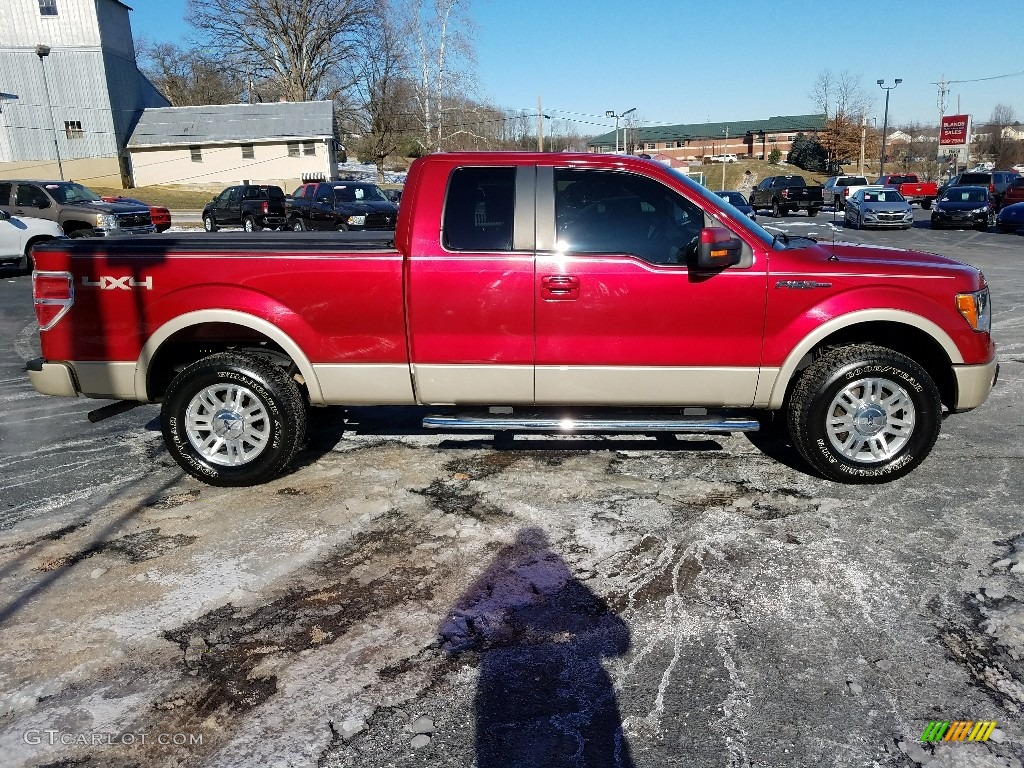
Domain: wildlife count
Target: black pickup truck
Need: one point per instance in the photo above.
(784, 194)
(341, 205)
(250, 206)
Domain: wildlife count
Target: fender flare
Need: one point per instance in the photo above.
(785, 373)
(234, 317)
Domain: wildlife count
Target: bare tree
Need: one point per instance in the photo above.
(440, 33)
(299, 44)
(384, 96)
(844, 103)
(188, 77)
(1002, 149)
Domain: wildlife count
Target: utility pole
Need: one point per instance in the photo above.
(885, 121)
(42, 51)
(540, 127)
(725, 146)
(863, 137)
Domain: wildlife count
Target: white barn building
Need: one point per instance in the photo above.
(71, 90)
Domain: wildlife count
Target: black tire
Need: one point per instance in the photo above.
(249, 224)
(341, 227)
(812, 212)
(209, 224)
(777, 210)
(250, 401)
(877, 447)
(926, 204)
(28, 263)
(298, 224)
(83, 232)
(1003, 229)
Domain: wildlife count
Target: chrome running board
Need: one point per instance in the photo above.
(572, 424)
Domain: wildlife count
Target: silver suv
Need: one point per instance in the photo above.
(79, 211)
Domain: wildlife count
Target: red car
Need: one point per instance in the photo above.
(160, 215)
(1014, 192)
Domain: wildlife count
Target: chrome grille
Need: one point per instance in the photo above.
(134, 219)
(380, 221)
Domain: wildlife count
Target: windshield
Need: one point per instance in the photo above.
(68, 192)
(883, 196)
(351, 193)
(966, 195)
(734, 198)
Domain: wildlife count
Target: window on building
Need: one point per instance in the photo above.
(47, 7)
(293, 149)
(309, 147)
(652, 145)
(197, 154)
(73, 129)
(248, 153)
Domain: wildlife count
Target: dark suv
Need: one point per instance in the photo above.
(996, 181)
(251, 206)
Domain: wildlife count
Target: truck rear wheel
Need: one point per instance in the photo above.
(864, 414)
(926, 204)
(249, 224)
(777, 210)
(233, 419)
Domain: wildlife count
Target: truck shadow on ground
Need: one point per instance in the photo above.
(543, 697)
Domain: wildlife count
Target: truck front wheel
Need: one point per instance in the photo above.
(233, 419)
(864, 414)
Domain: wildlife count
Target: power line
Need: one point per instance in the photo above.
(980, 79)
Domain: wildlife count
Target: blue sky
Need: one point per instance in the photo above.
(685, 62)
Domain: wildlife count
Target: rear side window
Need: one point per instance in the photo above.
(479, 209)
(5, 194)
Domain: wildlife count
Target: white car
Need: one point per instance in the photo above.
(19, 233)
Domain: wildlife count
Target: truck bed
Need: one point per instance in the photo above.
(241, 243)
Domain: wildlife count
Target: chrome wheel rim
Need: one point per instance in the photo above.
(227, 424)
(871, 420)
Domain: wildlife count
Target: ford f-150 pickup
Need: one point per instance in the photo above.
(911, 187)
(785, 194)
(524, 292)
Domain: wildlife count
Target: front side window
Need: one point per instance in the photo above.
(47, 7)
(617, 213)
(479, 209)
(31, 197)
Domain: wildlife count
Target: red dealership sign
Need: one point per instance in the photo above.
(955, 129)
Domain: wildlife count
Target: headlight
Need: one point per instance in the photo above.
(977, 309)
(106, 221)
(983, 209)
(357, 221)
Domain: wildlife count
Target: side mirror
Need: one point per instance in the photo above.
(718, 248)
(4, 215)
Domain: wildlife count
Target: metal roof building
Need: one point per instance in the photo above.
(279, 142)
(695, 140)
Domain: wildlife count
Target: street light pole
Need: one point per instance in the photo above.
(885, 120)
(42, 51)
(611, 113)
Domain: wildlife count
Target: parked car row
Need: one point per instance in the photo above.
(321, 205)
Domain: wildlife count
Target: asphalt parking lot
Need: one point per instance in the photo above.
(411, 599)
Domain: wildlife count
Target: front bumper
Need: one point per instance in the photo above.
(51, 378)
(144, 230)
(974, 383)
(950, 220)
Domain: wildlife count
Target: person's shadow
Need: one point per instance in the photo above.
(543, 698)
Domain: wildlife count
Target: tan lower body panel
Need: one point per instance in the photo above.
(622, 386)
(113, 381)
(474, 384)
(973, 384)
(365, 384)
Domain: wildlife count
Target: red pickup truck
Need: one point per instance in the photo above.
(523, 292)
(911, 187)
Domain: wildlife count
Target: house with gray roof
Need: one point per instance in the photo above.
(694, 142)
(274, 143)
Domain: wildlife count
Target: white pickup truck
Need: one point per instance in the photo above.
(19, 233)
